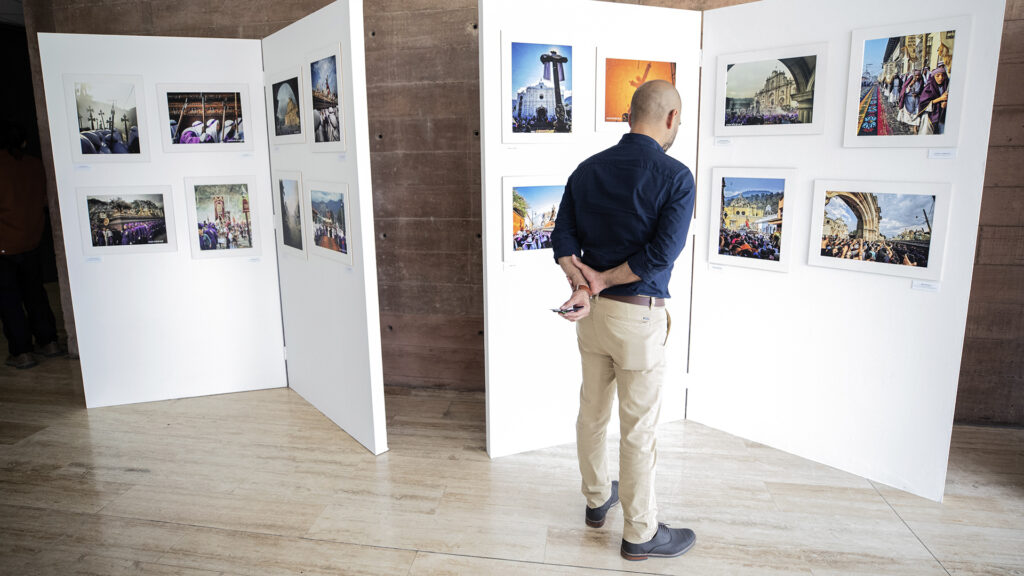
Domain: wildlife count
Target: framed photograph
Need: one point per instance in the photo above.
(618, 77)
(204, 117)
(753, 228)
(771, 92)
(284, 107)
(537, 81)
(324, 100)
(530, 208)
(289, 213)
(330, 222)
(896, 228)
(126, 220)
(222, 216)
(107, 117)
(906, 84)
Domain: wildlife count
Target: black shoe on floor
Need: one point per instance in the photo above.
(667, 543)
(21, 361)
(51, 350)
(595, 516)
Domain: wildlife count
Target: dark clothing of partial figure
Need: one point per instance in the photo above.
(630, 203)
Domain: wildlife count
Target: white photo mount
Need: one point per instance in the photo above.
(309, 122)
(338, 189)
(126, 191)
(512, 256)
(788, 176)
(278, 177)
(277, 78)
(165, 129)
(601, 123)
(541, 37)
(938, 224)
(193, 218)
(957, 81)
(71, 102)
(818, 78)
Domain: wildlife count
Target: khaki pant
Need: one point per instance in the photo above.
(623, 350)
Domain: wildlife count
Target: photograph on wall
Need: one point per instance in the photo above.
(750, 207)
(540, 88)
(530, 208)
(288, 201)
(223, 218)
(325, 101)
(330, 221)
(880, 228)
(126, 220)
(107, 116)
(903, 85)
(770, 92)
(204, 118)
(623, 77)
(286, 107)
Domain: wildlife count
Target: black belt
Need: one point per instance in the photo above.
(648, 301)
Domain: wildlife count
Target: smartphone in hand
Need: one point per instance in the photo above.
(575, 308)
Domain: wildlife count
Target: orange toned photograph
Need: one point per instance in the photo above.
(623, 77)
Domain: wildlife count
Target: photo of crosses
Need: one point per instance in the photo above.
(108, 120)
(623, 77)
(541, 81)
(222, 216)
(329, 220)
(205, 117)
(127, 219)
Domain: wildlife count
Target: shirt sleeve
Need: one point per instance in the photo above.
(564, 241)
(670, 233)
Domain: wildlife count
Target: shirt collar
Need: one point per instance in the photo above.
(641, 140)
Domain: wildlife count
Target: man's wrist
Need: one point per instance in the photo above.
(584, 288)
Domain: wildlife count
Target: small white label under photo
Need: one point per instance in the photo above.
(714, 267)
(942, 153)
(723, 142)
(925, 286)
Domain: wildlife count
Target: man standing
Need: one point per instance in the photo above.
(621, 225)
(22, 200)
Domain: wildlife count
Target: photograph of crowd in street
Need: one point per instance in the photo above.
(127, 220)
(323, 79)
(205, 117)
(770, 92)
(879, 228)
(750, 221)
(623, 77)
(329, 223)
(533, 216)
(108, 118)
(904, 85)
(291, 213)
(222, 216)
(287, 110)
(541, 83)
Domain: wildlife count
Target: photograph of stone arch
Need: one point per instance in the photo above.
(287, 111)
(540, 79)
(878, 230)
(770, 92)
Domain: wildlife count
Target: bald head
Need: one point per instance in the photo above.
(654, 111)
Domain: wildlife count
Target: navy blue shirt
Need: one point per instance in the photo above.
(630, 203)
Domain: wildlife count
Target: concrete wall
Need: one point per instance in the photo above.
(423, 82)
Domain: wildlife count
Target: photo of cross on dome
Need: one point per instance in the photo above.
(534, 209)
(108, 120)
(881, 228)
(770, 92)
(541, 84)
(287, 111)
(750, 223)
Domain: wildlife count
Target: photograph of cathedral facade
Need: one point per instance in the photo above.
(779, 91)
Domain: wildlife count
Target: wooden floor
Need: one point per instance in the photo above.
(261, 483)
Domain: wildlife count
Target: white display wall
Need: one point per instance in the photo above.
(171, 320)
(331, 320)
(159, 325)
(853, 369)
(533, 366)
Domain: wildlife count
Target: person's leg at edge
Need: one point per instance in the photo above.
(12, 315)
(639, 412)
(596, 395)
(41, 320)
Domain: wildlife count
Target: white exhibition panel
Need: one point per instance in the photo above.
(155, 325)
(533, 364)
(852, 369)
(330, 308)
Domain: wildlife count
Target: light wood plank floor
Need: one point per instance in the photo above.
(261, 483)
